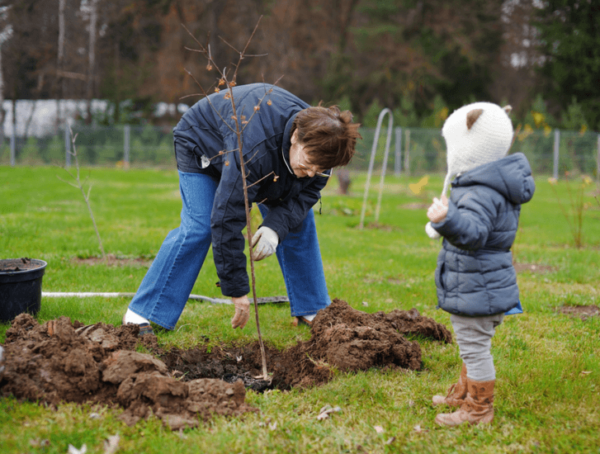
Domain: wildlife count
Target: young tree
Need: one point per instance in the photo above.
(228, 81)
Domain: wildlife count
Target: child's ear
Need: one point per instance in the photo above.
(472, 117)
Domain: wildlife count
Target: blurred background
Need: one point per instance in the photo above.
(115, 70)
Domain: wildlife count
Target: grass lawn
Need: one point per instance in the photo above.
(548, 365)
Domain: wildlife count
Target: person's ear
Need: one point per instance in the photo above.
(294, 137)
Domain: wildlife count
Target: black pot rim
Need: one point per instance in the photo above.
(8, 277)
(40, 265)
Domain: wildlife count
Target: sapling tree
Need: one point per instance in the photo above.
(225, 81)
(81, 185)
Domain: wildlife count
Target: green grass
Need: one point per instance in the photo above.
(543, 404)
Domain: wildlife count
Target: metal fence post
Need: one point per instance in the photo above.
(407, 153)
(556, 150)
(398, 149)
(67, 146)
(126, 136)
(13, 145)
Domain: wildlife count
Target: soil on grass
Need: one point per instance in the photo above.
(113, 260)
(63, 361)
(68, 361)
(583, 312)
(534, 268)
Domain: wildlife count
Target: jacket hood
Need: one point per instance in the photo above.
(510, 176)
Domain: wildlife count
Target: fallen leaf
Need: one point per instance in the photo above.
(111, 445)
(238, 358)
(94, 416)
(326, 411)
(419, 430)
(379, 429)
(390, 440)
(273, 426)
(365, 303)
(586, 372)
(74, 450)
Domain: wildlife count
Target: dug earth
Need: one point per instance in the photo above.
(64, 361)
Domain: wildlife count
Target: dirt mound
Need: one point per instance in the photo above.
(583, 312)
(346, 339)
(64, 361)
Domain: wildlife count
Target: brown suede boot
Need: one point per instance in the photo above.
(456, 393)
(477, 407)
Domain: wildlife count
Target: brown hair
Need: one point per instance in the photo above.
(328, 135)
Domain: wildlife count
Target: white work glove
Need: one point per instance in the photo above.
(264, 242)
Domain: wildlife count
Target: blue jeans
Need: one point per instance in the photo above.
(165, 289)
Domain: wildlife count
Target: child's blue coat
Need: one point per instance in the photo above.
(475, 275)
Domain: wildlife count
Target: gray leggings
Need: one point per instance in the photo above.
(474, 338)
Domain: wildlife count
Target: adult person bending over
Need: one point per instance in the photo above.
(289, 149)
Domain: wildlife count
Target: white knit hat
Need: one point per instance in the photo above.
(475, 134)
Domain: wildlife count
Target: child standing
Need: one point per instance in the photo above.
(475, 278)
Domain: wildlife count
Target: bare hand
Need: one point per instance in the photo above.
(438, 210)
(242, 312)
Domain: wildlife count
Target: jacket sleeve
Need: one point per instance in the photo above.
(289, 215)
(469, 220)
(228, 219)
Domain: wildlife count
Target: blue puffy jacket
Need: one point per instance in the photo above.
(475, 275)
(204, 131)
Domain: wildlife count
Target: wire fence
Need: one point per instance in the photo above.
(413, 151)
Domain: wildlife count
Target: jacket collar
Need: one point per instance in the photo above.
(287, 143)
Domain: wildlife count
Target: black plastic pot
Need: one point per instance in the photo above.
(20, 287)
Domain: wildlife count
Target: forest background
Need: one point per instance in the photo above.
(421, 58)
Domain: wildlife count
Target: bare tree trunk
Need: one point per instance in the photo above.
(92, 57)
(60, 63)
(29, 119)
(1, 101)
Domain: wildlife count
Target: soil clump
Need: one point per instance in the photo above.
(68, 361)
(346, 339)
(63, 361)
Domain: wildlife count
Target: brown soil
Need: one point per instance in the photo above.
(582, 312)
(346, 339)
(534, 268)
(22, 264)
(65, 361)
(113, 260)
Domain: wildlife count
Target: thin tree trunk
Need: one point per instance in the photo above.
(60, 62)
(1, 100)
(92, 57)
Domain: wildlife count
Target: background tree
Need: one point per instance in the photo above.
(570, 45)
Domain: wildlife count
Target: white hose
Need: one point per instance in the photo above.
(274, 299)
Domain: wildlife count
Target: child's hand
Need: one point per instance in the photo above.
(438, 210)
